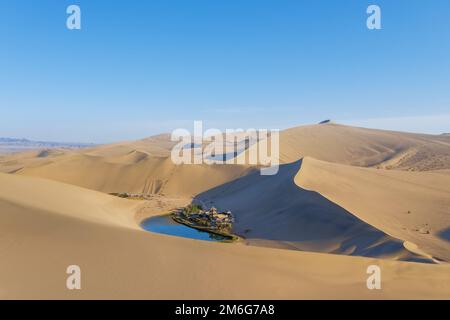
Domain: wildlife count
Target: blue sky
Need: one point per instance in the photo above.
(138, 68)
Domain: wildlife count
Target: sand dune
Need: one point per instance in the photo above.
(148, 175)
(341, 191)
(275, 211)
(120, 261)
(412, 206)
(45, 196)
(18, 161)
(135, 167)
(365, 147)
(145, 165)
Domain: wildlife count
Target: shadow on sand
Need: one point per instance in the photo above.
(445, 234)
(274, 211)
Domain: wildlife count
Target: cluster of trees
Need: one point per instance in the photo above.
(120, 195)
(192, 209)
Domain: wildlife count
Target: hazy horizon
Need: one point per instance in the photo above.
(393, 124)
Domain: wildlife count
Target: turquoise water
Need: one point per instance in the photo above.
(165, 225)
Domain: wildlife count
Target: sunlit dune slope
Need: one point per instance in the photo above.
(413, 206)
(332, 204)
(46, 226)
(145, 166)
(65, 201)
(366, 147)
(275, 211)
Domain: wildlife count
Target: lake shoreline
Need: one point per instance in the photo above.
(168, 224)
(230, 237)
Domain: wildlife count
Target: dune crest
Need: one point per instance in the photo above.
(347, 195)
(275, 211)
(135, 165)
(43, 230)
(412, 206)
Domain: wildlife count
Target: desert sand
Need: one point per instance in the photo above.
(345, 198)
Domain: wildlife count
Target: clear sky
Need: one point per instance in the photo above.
(137, 68)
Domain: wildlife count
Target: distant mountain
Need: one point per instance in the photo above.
(8, 145)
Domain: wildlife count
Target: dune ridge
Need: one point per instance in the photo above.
(366, 147)
(145, 167)
(344, 198)
(413, 206)
(277, 211)
(120, 261)
(149, 159)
